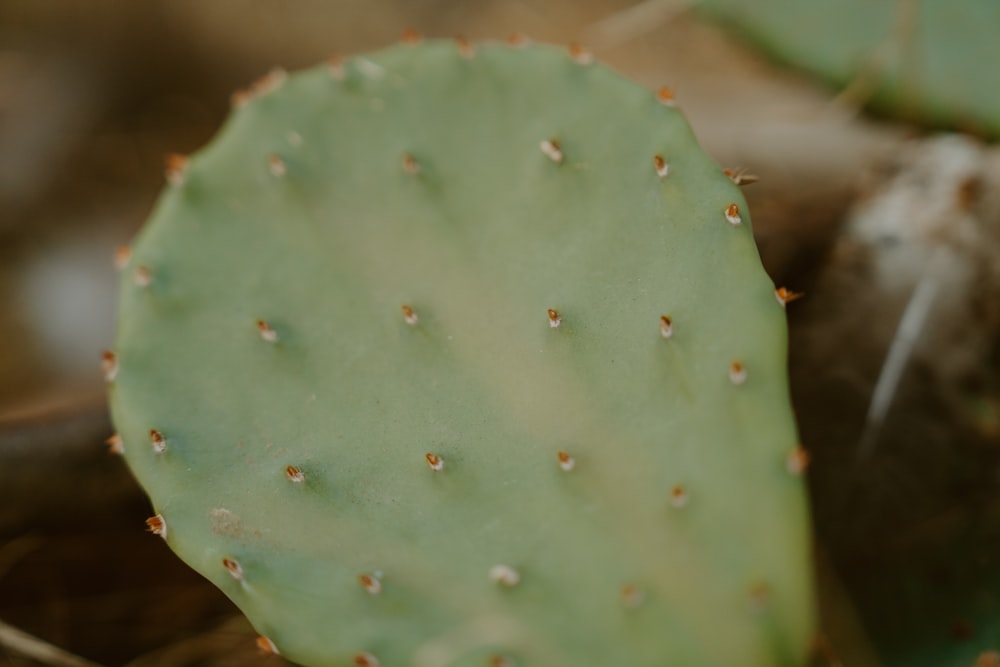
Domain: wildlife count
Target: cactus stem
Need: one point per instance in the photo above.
(410, 37)
(410, 164)
(465, 47)
(552, 150)
(234, 568)
(566, 462)
(295, 474)
(335, 67)
(266, 332)
(109, 365)
(797, 460)
(580, 55)
(371, 583)
(665, 96)
(157, 525)
(661, 166)
(737, 372)
(409, 315)
(434, 461)
(122, 256)
(631, 596)
(276, 166)
(366, 660)
(266, 646)
(115, 444)
(785, 295)
(678, 496)
(505, 575)
(158, 441)
(732, 213)
(554, 318)
(666, 326)
(143, 276)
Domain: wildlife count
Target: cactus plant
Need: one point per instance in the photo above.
(921, 59)
(463, 354)
(937, 605)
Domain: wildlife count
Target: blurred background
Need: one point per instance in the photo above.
(890, 227)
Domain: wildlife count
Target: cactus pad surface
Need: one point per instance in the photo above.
(920, 59)
(458, 354)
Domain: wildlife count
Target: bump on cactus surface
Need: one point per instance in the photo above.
(462, 354)
(922, 59)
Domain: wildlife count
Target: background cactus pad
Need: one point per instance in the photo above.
(922, 60)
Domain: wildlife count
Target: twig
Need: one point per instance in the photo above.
(37, 649)
(628, 24)
(911, 325)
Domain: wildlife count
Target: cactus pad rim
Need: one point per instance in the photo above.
(419, 343)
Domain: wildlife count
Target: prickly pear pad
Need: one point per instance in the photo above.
(919, 60)
(454, 355)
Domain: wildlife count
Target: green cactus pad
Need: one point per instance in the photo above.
(457, 257)
(938, 605)
(923, 59)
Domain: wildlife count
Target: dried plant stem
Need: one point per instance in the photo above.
(37, 649)
(911, 326)
(628, 24)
